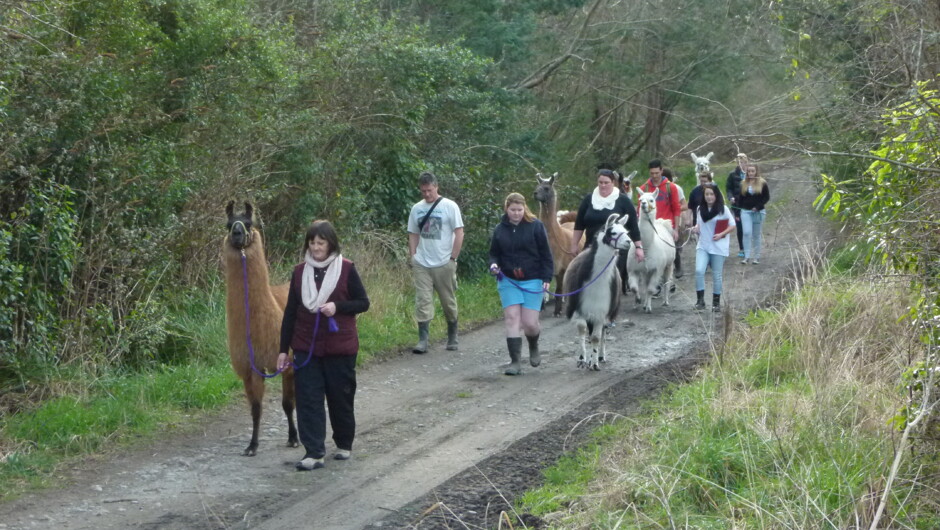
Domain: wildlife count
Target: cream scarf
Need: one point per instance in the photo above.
(312, 298)
(604, 203)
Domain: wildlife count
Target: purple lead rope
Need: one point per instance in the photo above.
(572, 293)
(251, 350)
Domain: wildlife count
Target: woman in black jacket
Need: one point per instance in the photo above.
(752, 201)
(522, 261)
(597, 206)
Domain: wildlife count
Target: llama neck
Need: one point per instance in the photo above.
(548, 212)
(648, 230)
(601, 254)
(255, 262)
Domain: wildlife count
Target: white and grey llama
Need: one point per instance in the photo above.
(659, 254)
(702, 163)
(593, 277)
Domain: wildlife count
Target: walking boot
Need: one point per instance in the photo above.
(716, 303)
(677, 269)
(515, 353)
(451, 336)
(699, 300)
(422, 345)
(535, 358)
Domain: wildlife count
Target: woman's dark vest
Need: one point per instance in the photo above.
(328, 343)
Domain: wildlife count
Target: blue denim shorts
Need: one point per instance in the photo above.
(530, 298)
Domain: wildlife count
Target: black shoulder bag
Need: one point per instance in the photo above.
(424, 219)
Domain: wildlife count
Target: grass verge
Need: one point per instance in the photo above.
(791, 430)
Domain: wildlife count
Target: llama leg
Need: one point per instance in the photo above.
(602, 349)
(254, 390)
(668, 284)
(287, 401)
(595, 340)
(582, 334)
(559, 301)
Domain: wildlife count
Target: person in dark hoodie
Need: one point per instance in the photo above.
(522, 261)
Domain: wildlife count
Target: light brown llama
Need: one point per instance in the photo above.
(559, 237)
(266, 310)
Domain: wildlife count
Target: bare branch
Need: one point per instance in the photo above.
(545, 71)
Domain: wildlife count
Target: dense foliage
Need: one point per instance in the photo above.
(127, 125)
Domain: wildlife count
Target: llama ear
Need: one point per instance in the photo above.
(623, 219)
(611, 220)
(694, 156)
(249, 211)
(230, 209)
(631, 175)
(554, 177)
(540, 178)
(655, 193)
(709, 156)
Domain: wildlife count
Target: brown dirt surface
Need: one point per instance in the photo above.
(444, 440)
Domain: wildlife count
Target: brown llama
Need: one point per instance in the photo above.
(559, 237)
(265, 304)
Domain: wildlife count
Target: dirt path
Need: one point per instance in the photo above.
(447, 426)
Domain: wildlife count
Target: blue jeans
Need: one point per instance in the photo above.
(752, 222)
(702, 261)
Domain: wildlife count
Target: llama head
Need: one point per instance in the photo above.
(615, 234)
(239, 225)
(702, 163)
(648, 203)
(545, 191)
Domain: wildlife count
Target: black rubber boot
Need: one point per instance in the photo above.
(452, 336)
(699, 300)
(535, 358)
(422, 345)
(716, 303)
(515, 353)
(677, 270)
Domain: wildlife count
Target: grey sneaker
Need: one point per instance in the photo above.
(756, 261)
(342, 454)
(310, 463)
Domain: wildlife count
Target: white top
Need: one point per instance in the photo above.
(705, 238)
(681, 192)
(436, 241)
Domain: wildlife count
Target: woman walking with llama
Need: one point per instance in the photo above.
(597, 206)
(319, 324)
(752, 200)
(714, 221)
(519, 250)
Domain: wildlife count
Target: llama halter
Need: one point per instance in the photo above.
(248, 238)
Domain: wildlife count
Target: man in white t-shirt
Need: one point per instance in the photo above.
(435, 237)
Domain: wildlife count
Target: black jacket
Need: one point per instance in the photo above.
(759, 199)
(523, 246)
(733, 186)
(591, 220)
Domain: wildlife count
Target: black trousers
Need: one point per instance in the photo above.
(332, 379)
(739, 228)
(622, 269)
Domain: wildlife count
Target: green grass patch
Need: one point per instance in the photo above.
(789, 431)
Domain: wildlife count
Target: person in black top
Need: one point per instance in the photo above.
(319, 325)
(696, 196)
(519, 250)
(596, 207)
(752, 200)
(732, 190)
